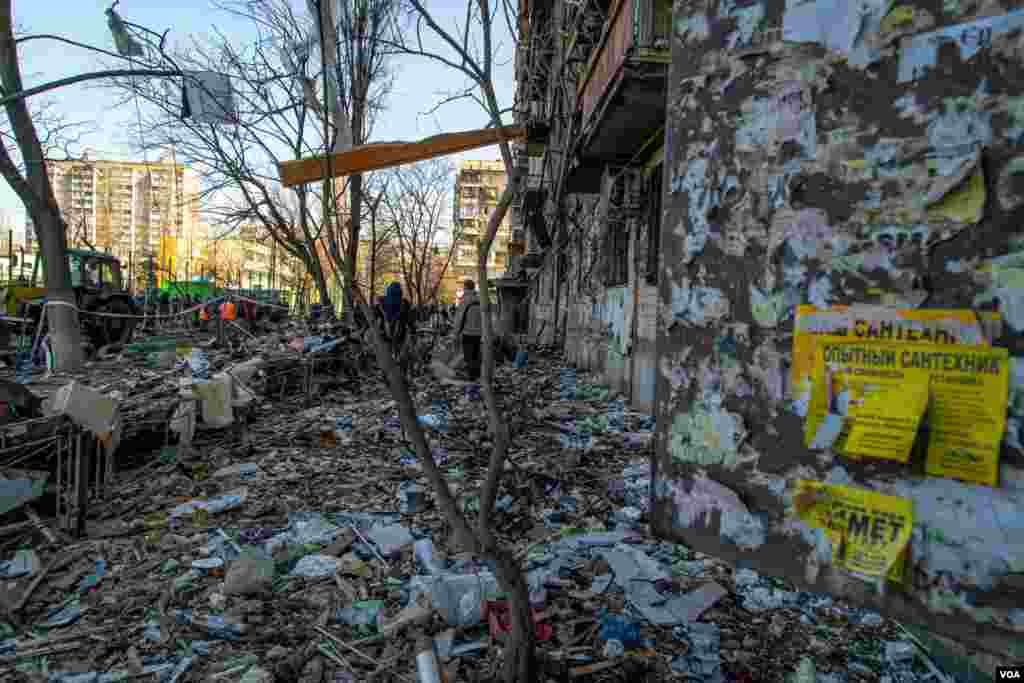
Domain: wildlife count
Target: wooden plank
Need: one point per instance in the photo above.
(387, 154)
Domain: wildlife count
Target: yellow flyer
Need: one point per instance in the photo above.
(880, 323)
(870, 532)
(967, 411)
(865, 404)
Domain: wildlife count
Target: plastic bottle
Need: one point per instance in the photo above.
(458, 598)
(199, 364)
(428, 669)
(423, 550)
(215, 626)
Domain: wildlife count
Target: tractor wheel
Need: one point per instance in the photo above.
(114, 330)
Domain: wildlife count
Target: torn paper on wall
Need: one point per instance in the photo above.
(838, 25)
(1003, 282)
(922, 52)
(748, 18)
(705, 497)
(960, 197)
(870, 532)
(863, 404)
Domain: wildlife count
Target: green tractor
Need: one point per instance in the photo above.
(99, 288)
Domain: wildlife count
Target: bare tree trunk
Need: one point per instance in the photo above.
(355, 189)
(372, 284)
(63, 326)
(35, 192)
(321, 282)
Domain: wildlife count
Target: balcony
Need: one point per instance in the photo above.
(622, 97)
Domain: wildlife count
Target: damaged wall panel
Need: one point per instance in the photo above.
(838, 153)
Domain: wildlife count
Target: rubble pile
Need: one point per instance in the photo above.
(307, 547)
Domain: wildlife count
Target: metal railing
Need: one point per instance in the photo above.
(632, 25)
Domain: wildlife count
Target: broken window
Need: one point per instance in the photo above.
(617, 254)
(654, 224)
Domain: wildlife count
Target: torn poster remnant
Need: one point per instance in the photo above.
(970, 38)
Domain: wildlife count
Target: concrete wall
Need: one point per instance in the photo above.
(837, 170)
(608, 330)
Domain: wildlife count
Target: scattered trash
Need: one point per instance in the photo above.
(25, 563)
(199, 365)
(411, 498)
(390, 539)
(249, 576)
(703, 662)
(215, 626)
(428, 669)
(620, 629)
(458, 598)
(313, 566)
(364, 616)
(235, 547)
(212, 506)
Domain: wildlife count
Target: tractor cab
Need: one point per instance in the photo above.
(91, 271)
(105, 308)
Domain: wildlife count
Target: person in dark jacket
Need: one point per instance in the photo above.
(469, 329)
(394, 314)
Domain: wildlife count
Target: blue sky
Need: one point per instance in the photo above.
(418, 82)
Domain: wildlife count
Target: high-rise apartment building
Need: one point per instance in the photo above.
(132, 209)
(478, 185)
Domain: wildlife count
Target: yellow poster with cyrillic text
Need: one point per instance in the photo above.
(865, 404)
(880, 323)
(966, 411)
(869, 532)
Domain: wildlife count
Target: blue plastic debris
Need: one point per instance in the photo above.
(90, 581)
(212, 506)
(24, 563)
(703, 662)
(567, 384)
(614, 627)
(62, 616)
(616, 416)
(152, 632)
(215, 626)
(199, 364)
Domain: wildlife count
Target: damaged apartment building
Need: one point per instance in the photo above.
(724, 180)
(594, 73)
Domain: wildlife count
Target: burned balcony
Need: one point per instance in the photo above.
(622, 97)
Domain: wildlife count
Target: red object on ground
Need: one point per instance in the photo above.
(499, 618)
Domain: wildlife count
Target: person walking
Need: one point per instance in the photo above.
(395, 315)
(469, 329)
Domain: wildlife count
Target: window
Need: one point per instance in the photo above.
(617, 253)
(654, 224)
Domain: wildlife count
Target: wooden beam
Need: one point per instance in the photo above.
(387, 154)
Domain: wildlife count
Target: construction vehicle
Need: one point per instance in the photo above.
(99, 288)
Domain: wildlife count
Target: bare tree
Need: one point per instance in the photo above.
(470, 49)
(31, 183)
(416, 204)
(383, 251)
(278, 116)
(353, 37)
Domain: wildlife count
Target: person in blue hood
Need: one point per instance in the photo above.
(394, 313)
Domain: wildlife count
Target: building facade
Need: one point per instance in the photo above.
(478, 185)
(595, 75)
(131, 209)
(860, 159)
